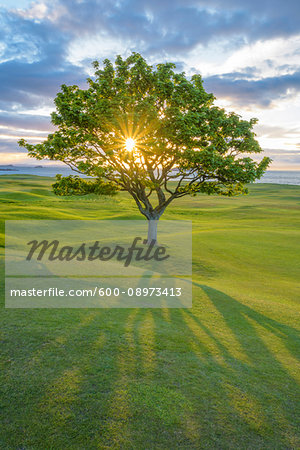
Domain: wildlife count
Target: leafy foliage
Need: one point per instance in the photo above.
(74, 185)
(183, 143)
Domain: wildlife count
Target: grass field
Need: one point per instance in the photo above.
(222, 375)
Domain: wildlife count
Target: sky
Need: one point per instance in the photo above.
(248, 53)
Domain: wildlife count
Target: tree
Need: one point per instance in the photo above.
(151, 132)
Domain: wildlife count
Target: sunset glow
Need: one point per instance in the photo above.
(253, 74)
(130, 144)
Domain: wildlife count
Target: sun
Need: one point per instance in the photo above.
(129, 144)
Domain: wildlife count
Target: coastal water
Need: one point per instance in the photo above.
(271, 176)
(281, 177)
(39, 170)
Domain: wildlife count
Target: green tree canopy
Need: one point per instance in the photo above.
(151, 132)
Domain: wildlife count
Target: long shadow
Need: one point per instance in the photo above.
(274, 387)
(154, 378)
(237, 316)
(61, 385)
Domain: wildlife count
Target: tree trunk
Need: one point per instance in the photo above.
(152, 231)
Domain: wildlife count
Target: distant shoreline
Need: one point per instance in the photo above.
(284, 177)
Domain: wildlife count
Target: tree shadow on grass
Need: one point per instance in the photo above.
(153, 378)
(238, 317)
(264, 375)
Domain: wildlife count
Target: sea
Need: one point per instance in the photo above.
(281, 177)
(271, 176)
(39, 170)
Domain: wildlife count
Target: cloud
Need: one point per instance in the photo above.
(43, 44)
(269, 58)
(190, 20)
(270, 131)
(9, 146)
(36, 84)
(176, 26)
(34, 61)
(283, 158)
(246, 93)
(53, 42)
(25, 121)
(179, 25)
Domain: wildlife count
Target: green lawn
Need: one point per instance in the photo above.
(222, 375)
